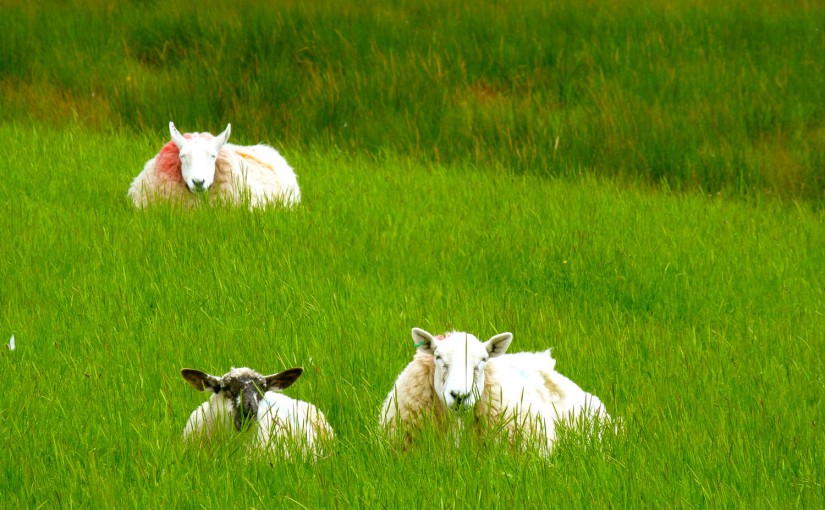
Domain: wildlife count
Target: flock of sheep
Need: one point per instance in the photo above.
(521, 395)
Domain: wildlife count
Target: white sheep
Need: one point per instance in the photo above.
(243, 397)
(193, 163)
(521, 393)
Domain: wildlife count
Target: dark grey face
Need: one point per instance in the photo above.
(244, 388)
(245, 392)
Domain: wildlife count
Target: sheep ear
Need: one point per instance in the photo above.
(223, 137)
(498, 345)
(283, 380)
(201, 380)
(423, 340)
(178, 138)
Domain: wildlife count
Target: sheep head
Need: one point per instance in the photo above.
(197, 157)
(460, 360)
(243, 387)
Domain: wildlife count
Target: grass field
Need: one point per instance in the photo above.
(636, 246)
(699, 320)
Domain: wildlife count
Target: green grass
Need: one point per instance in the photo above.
(682, 94)
(697, 319)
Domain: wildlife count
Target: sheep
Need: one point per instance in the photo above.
(522, 394)
(192, 163)
(243, 396)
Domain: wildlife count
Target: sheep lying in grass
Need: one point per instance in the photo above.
(197, 162)
(521, 394)
(243, 397)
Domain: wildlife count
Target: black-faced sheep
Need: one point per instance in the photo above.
(242, 398)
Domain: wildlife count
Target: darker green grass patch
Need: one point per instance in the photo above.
(677, 95)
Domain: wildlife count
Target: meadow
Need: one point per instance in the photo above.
(688, 295)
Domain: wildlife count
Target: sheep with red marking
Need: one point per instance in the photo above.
(198, 163)
(520, 394)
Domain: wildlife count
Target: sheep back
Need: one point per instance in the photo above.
(262, 172)
(291, 424)
(210, 417)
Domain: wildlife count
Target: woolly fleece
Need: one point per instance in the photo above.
(256, 173)
(523, 396)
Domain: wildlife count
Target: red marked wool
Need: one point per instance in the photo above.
(168, 160)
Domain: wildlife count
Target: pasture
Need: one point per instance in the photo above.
(692, 303)
(699, 320)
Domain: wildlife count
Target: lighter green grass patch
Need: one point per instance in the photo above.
(699, 321)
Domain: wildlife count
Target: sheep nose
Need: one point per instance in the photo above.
(459, 396)
(198, 183)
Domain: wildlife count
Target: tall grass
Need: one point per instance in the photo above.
(697, 320)
(687, 94)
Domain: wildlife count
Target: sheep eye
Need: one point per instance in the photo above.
(484, 360)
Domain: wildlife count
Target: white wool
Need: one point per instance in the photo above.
(261, 172)
(211, 417)
(287, 423)
(526, 386)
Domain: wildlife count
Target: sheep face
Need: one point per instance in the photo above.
(243, 387)
(197, 157)
(460, 360)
